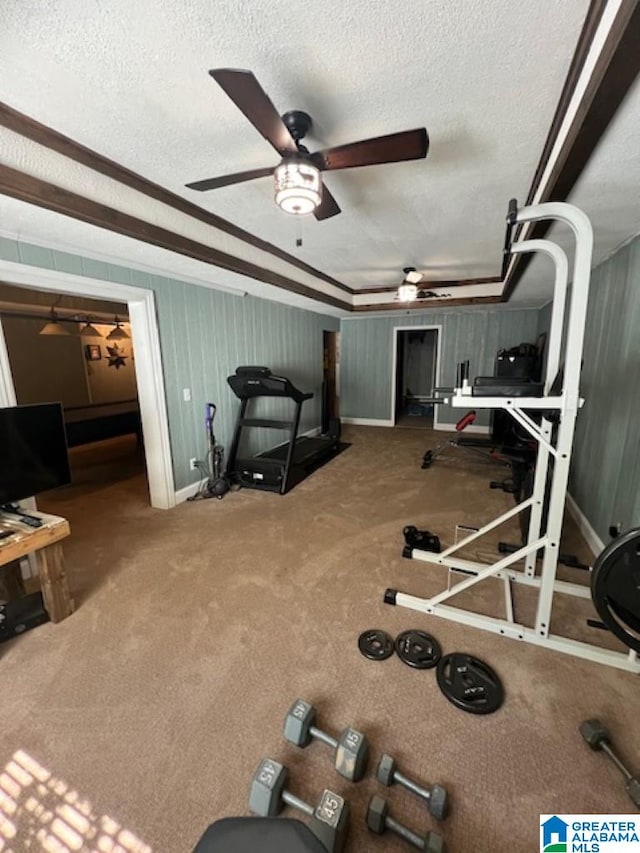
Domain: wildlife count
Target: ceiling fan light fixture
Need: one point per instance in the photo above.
(298, 187)
(411, 275)
(407, 292)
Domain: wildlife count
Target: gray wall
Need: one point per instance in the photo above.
(205, 334)
(605, 476)
(544, 319)
(476, 334)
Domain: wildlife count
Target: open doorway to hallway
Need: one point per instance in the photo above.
(79, 352)
(416, 375)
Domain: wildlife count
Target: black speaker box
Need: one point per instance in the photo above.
(518, 366)
(21, 615)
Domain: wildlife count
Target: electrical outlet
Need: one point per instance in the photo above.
(192, 464)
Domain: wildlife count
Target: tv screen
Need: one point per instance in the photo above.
(33, 451)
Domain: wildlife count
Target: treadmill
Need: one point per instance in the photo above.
(282, 467)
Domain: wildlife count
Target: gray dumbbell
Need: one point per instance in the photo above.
(267, 797)
(379, 821)
(436, 797)
(351, 748)
(598, 738)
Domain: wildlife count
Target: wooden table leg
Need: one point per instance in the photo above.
(53, 580)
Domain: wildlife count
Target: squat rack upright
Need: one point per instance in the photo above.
(556, 404)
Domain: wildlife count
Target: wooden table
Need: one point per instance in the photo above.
(44, 542)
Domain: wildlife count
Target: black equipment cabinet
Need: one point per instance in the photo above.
(282, 467)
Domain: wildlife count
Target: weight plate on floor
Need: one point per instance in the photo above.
(470, 683)
(375, 644)
(615, 588)
(418, 649)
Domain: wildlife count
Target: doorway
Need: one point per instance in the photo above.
(330, 378)
(141, 307)
(79, 352)
(415, 375)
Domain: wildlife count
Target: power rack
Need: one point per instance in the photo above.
(556, 402)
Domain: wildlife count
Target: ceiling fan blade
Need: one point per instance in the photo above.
(226, 180)
(406, 145)
(328, 206)
(249, 96)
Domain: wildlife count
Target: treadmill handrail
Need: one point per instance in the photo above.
(266, 422)
(249, 382)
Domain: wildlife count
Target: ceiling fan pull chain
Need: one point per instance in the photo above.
(298, 222)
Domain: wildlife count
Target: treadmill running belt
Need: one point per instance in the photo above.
(304, 449)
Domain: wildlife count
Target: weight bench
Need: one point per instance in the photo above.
(266, 834)
(490, 453)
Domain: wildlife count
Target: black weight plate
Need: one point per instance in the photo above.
(615, 587)
(418, 649)
(470, 683)
(375, 644)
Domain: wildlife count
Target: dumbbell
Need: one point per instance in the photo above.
(379, 820)
(267, 797)
(599, 739)
(351, 748)
(437, 800)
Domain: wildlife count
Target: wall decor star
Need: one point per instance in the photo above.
(116, 357)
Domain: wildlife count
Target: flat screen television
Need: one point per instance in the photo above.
(33, 451)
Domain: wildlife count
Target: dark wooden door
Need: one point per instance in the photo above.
(330, 407)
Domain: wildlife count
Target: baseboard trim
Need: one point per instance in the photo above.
(367, 422)
(591, 537)
(187, 492)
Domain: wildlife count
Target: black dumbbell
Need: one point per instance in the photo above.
(379, 820)
(351, 748)
(598, 738)
(267, 797)
(436, 797)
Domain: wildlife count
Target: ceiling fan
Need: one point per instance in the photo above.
(298, 185)
(409, 290)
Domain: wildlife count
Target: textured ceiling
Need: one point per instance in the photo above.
(130, 81)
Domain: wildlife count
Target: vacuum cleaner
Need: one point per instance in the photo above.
(217, 484)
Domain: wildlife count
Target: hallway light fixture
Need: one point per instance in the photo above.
(118, 334)
(90, 331)
(77, 324)
(53, 327)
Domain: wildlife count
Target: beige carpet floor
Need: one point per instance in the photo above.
(139, 720)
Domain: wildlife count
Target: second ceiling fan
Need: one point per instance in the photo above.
(298, 185)
(409, 290)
